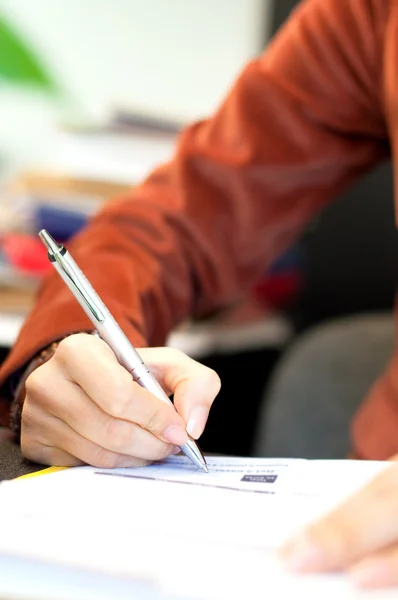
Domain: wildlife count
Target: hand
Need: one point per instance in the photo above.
(83, 407)
(360, 537)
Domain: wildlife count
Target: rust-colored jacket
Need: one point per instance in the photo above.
(302, 122)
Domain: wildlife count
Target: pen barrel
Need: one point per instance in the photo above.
(129, 358)
(110, 332)
(108, 328)
(121, 346)
(148, 381)
(98, 313)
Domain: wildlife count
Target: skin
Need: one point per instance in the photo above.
(360, 537)
(99, 416)
(92, 412)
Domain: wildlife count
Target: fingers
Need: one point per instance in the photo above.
(83, 406)
(75, 451)
(67, 402)
(195, 386)
(364, 524)
(49, 456)
(85, 417)
(379, 570)
(112, 388)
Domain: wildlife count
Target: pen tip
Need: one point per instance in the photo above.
(205, 468)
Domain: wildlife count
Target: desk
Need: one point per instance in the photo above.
(12, 464)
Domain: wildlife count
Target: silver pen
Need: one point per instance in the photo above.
(110, 331)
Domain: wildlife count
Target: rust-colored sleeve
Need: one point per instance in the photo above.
(374, 430)
(301, 123)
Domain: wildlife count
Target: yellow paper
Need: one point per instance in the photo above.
(48, 471)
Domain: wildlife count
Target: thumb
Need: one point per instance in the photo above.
(195, 388)
(193, 398)
(194, 385)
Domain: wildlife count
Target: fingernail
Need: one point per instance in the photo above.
(176, 450)
(197, 421)
(176, 435)
(370, 573)
(302, 555)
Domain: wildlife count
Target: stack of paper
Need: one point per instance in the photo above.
(169, 531)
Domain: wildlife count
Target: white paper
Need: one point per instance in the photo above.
(179, 531)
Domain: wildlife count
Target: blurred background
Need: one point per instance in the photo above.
(92, 97)
(173, 60)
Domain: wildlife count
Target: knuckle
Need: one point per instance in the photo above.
(120, 403)
(151, 421)
(210, 377)
(36, 382)
(120, 392)
(41, 389)
(117, 434)
(71, 346)
(154, 421)
(65, 347)
(212, 380)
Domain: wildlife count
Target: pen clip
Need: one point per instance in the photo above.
(81, 287)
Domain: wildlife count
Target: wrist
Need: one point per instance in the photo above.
(20, 390)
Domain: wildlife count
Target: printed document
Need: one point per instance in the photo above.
(171, 531)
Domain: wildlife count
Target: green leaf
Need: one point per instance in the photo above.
(18, 63)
